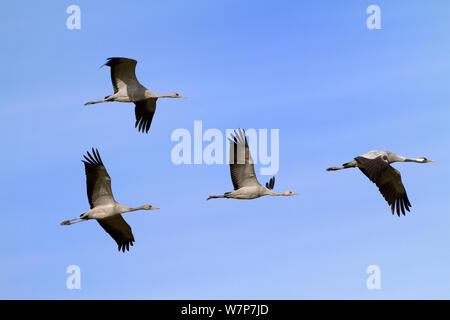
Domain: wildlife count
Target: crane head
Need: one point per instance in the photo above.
(425, 160)
(149, 207)
(289, 193)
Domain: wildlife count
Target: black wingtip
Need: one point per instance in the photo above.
(125, 246)
(238, 136)
(116, 60)
(92, 158)
(144, 126)
(401, 206)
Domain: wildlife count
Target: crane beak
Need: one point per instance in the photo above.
(154, 208)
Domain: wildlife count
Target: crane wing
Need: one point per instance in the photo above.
(388, 181)
(391, 187)
(119, 230)
(123, 74)
(372, 168)
(98, 180)
(144, 110)
(241, 162)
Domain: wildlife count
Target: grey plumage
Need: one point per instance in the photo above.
(104, 207)
(376, 165)
(242, 172)
(99, 193)
(127, 88)
(98, 181)
(242, 168)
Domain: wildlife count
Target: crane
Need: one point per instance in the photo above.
(128, 89)
(242, 170)
(376, 165)
(104, 208)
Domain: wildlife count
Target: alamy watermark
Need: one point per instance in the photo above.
(74, 280)
(374, 20)
(74, 20)
(374, 280)
(190, 148)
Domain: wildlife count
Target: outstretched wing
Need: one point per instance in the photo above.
(119, 230)
(271, 183)
(391, 187)
(144, 110)
(98, 180)
(388, 181)
(241, 162)
(123, 73)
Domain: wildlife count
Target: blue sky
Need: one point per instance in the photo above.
(311, 69)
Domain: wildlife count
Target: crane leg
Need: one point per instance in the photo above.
(347, 165)
(94, 102)
(69, 222)
(215, 197)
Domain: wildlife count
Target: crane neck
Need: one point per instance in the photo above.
(136, 209)
(124, 209)
(171, 95)
(397, 158)
(274, 193)
(413, 160)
